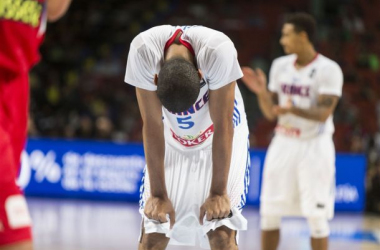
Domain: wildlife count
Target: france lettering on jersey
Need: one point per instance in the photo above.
(320, 77)
(217, 59)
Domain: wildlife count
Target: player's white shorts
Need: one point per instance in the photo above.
(188, 179)
(299, 177)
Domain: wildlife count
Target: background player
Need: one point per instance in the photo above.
(195, 136)
(22, 27)
(299, 172)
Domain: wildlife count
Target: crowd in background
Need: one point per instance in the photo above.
(78, 89)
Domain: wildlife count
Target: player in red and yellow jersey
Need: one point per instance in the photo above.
(22, 28)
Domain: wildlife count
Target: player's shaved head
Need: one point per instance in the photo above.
(178, 84)
(303, 22)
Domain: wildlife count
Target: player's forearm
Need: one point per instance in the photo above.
(154, 147)
(266, 105)
(318, 114)
(56, 9)
(221, 157)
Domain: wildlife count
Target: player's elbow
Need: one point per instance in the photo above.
(57, 9)
(323, 117)
(54, 15)
(270, 116)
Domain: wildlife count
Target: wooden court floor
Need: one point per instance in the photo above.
(88, 225)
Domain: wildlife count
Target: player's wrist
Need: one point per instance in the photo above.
(218, 192)
(263, 93)
(161, 196)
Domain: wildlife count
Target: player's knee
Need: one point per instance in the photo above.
(269, 223)
(222, 238)
(319, 227)
(153, 241)
(26, 245)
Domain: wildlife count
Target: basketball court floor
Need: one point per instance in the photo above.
(90, 225)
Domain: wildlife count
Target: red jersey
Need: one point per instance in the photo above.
(22, 28)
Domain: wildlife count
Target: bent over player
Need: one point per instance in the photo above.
(299, 171)
(195, 136)
(22, 27)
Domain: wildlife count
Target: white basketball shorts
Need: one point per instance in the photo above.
(188, 179)
(299, 177)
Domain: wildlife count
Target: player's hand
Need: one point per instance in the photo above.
(255, 80)
(281, 110)
(215, 207)
(157, 208)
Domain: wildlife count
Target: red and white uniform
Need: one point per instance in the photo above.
(299, 172)
(22, 26)
(188, 135)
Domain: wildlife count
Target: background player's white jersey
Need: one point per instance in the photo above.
(321, 76)
(216, 57)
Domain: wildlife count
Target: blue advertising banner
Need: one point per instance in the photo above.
(105, 170)
(82, 169)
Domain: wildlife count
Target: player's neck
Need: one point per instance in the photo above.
(305, 57)
(178, 50)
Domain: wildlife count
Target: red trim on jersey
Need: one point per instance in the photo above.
(187, 45)
(315, 57)
(184, 43)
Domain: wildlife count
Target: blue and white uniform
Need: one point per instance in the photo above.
(299, 172)
(189, 134)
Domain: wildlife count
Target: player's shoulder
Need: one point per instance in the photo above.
(207, 37)
(327, 64)
(284, 60)
(152, 35)
(323, 60)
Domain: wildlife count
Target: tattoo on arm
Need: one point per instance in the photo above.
(326, 101)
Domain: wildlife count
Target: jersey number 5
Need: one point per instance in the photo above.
(185, 122)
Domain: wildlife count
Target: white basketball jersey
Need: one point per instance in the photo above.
(216, 57)
(302, 86)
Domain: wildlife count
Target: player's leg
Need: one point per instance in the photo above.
(319, 229)
(317, 185)
(26, 245)
(278, 189)
(222, 238)
(153, 241)
(180, 186)
(15, 222)
(270, 232)
(224, 233)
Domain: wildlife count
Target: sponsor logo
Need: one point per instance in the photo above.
(17, 212)
(189, 141)
(203, 83)
(346, 193)
(320, 205)
(288, 131)
(87, 172)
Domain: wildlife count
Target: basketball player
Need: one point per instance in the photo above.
(195, 137)
(299, 172)
(22, 26)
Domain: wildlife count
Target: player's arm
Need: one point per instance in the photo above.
(326, 105)
(256, 81)
(329, 91)
(267, 101)
(154, 146)
(221, 104)
(56, 9)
